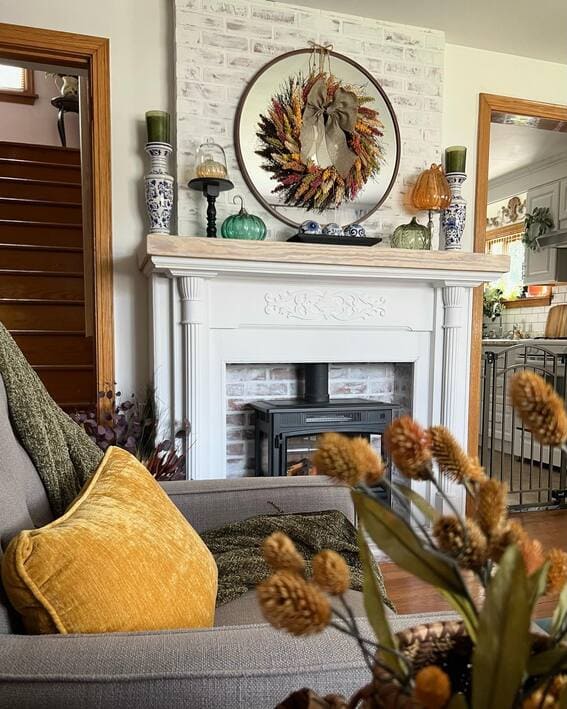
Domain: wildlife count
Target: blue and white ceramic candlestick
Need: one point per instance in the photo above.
(159, 188)
(454, 217)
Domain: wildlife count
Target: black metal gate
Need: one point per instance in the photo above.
(535, 474)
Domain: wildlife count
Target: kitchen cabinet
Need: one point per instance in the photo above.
(545, 196)
(563, 204)
(541, 265)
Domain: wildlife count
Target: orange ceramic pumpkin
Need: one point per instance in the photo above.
(431, 191)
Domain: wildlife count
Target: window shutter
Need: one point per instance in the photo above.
(12, 78)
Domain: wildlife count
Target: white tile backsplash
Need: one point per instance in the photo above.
(530, 320)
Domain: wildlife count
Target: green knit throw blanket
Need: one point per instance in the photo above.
(63, 454)
(237, 549)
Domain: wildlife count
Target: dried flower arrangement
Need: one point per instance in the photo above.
(498, 663)
(134, 426)
(355, 159)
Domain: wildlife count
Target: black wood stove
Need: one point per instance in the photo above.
(286, 430)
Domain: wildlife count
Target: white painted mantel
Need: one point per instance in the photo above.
(215, 302)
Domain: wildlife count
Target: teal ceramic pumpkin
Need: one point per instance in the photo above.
(243, 225)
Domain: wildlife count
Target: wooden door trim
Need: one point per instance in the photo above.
(487, 104)
(91, 53)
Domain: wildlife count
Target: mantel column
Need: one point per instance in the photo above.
(454, 399)
(192, 293)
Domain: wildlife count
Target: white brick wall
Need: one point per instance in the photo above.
(391, 383)
(220, 44)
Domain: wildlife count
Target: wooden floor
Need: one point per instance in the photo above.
(413, 596)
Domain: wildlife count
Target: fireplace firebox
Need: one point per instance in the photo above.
(286, 430)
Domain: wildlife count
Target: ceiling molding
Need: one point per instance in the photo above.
(530, 169)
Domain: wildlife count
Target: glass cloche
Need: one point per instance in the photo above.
(411, 236)
(211, 161)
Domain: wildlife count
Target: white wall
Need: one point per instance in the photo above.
(37, 123)
(469, 72)
(141, 70)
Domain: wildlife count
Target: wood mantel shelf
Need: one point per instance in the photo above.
(167, 250)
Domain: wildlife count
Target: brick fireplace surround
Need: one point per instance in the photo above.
(215, 302)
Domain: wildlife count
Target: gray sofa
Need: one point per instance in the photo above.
(241, 663)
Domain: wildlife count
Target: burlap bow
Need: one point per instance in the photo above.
(328, 121)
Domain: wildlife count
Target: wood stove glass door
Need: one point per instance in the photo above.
(296, 452)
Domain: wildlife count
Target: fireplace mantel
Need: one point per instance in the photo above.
(170, 253)
(215, 302)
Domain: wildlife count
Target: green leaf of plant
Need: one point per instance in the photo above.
(560, 613)
(544, 662)
(465, 608)
(537, 583)
(503, 642)
(374, 605)
(458, 701)
(427, 510)
(395, 536)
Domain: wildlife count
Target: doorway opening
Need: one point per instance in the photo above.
(521, 178)
(55, 235)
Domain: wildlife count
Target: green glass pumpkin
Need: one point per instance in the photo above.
(411, 236)
(243, 225)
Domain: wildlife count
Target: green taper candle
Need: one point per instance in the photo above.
(157, 123)
(455, 159)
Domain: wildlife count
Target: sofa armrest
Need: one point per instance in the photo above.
(213, 503)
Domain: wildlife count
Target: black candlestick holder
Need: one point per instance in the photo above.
(211, 187)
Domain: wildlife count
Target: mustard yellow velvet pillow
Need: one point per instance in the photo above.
(121, 558)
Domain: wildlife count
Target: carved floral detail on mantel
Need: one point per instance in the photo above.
(310, 304)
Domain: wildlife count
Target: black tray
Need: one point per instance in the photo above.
(336, 240)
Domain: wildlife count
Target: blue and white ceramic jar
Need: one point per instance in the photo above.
(454, 217)
(159, 188)
(310, 227)
(356, 230)
(332, 230)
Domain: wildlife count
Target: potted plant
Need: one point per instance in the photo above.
(538, 223)
(489, 659)
(134, 425)
(492, 302)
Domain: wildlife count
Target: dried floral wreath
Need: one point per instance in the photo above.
(320, 140)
